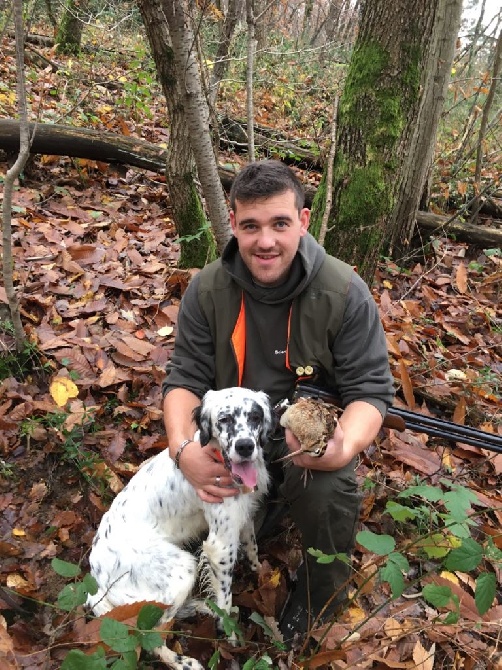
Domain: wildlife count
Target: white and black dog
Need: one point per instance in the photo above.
(139, 552)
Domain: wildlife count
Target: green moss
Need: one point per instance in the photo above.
(365, 198)
(368, 102)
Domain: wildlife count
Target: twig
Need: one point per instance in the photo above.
(329, 176)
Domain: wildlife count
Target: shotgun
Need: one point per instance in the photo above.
(400, 419)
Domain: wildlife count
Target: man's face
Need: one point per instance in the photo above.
(268, 231)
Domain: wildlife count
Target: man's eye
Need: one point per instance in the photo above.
(281, 224)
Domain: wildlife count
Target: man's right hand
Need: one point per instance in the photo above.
(206, 474)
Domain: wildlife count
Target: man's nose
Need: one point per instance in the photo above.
(266, 239)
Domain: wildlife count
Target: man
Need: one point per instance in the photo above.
(276, 308)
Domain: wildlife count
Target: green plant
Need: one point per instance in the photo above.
(122, 640)
(19, 364)
(140, 88)
(71, 440)
(437, 522)
(6, 469)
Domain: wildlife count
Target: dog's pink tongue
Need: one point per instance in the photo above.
(246, 472)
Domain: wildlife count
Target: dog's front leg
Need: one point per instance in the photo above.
(219, 554)
(248, 542)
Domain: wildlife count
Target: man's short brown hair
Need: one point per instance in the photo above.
(264, 179)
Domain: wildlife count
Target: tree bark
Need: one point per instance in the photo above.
(419, 151)
(497, 64)
(69, 35)
(389, 89)
(181, 173)
(11, 175)
(251, 50)
(197, 117)
(465, 232)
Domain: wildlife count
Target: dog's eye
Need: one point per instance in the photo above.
(225, 420)
(256, 417)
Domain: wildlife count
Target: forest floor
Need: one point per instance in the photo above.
(96, 266)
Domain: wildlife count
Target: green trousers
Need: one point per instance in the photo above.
(325, 508)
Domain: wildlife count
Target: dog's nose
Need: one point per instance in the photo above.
(244, 447)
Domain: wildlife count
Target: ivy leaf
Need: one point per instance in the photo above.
(328, 558)
(77, 660)
(486, 586)
(71, 596)
(151, 640)
(382, 545)
(90, 584)
(149, 616)
(65, 569)
(435, 545)
(430, 493)
(392, 572)
(400, 512)
(118, 636)
(437, 596)
(467, 557)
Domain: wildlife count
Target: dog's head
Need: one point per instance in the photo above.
(241, 422)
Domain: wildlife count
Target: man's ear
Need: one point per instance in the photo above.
(304, 220)
(232, 220)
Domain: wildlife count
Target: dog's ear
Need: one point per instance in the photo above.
(269, 420)
(203, 422)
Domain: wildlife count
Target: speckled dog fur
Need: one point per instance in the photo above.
(138, 552)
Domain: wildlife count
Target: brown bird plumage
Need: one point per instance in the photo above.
(313, 422)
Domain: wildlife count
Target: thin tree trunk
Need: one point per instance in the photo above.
(497, 63)
(10, 177)
(251, 50)
(329, 177)
(221, 59)
(197, 117)
(181, 173)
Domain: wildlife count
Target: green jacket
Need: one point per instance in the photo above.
(231, 332)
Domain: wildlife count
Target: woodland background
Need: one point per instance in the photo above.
(100, 257)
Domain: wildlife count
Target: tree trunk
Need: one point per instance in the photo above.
(497, 64)
(197, 117)
(181, 174)
(251, 50)
(69, 35)
(221, 59)
(419, 152)
(388, 92)
(10, 177)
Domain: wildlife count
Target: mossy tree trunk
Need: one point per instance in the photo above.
(69, 34)
(196, 241)
(387, 121)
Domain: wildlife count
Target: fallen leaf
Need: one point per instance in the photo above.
(62, 389)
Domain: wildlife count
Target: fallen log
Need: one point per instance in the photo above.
(100, 145)
(465, 232)
(60, 140)
(233, 135)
